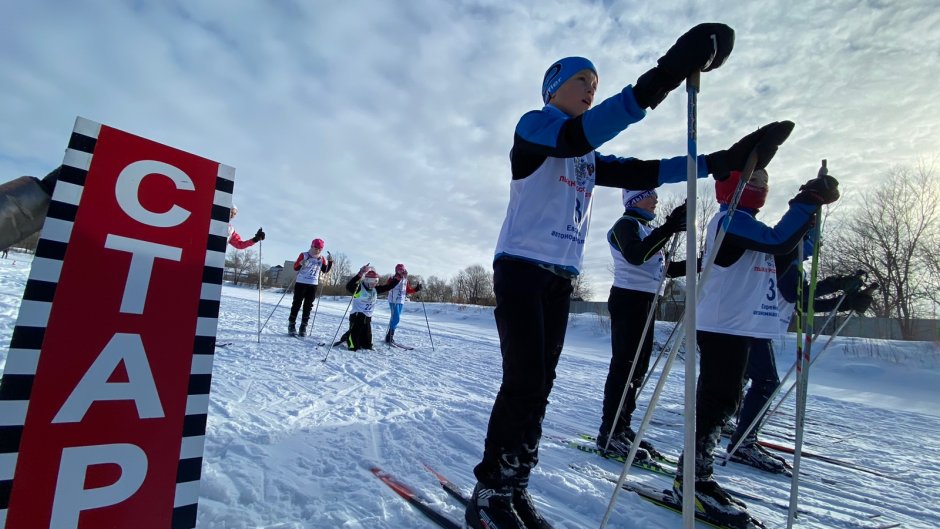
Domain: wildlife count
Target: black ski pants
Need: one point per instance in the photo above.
(303, 294)
(722, 362)
(531, 314)
(762, 370)
(359, 335)
(628, 312)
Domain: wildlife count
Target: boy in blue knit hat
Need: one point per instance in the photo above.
(554, 170)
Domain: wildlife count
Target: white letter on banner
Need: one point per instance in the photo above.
(94, 385)
(128, 185)
(71, 497)
(138, 277)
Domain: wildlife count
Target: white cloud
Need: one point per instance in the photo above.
(385, 127)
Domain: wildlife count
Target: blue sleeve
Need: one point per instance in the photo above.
(611, 117)
(553, 133)
(672, 170)
(744, 231)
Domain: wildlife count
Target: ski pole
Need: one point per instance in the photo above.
(802, 367)
(688, 505)
(286, 290)
(315, 309)
(659, 357)
(340, 326)
(260, 266)
(691, 275)
(428, 323)
(646, 328)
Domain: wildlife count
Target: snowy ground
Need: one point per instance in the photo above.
(290, 436)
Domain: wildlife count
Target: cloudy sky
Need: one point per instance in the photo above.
(384, 127)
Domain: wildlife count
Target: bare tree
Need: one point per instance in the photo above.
(436, 289)
(334, 283)
(893, 236)
(474, 285)
(241, 263)
(582, 288)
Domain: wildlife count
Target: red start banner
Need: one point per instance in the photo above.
(105, 391)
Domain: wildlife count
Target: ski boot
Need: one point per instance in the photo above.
(492, 508)
(390, 337)
(291, 328)
(620, 444)
(303, 329)
(715, 503)
(750, 454)
(525, 508)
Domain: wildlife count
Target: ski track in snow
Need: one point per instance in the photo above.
(290, 437)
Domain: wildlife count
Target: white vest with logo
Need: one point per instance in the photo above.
(309, 273)
(549, 212)
(646, 277)
(397, 294)
(364, 301)
(740, 299)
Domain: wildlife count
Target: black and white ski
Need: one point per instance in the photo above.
(659, 457)
(414, 499)
(649, 465)
(666, 499)
(400, 346)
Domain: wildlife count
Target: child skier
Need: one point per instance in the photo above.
(554, 169)
(235, 239)
(738, 302)
(365, 290)
(639, 265)
(761, 365)
(309, 265)
(396, 299)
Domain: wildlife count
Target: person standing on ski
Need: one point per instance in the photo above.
(639, 265)
(554, 169)
(365, 290)
(738, 302)
(396, 298)
(234, 239)
(309, 265)
(761, 365)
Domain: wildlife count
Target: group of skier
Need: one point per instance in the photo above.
(23, 205)
(746, 299)
(555, 168)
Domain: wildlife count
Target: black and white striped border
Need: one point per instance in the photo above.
(189, 470)
(30, 328)
(29, 331)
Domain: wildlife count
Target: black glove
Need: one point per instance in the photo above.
(701, 49)
(259, 236)
(847, 283)
(858, 301)
(675, 221)
(764, 141)
(818, 191)
(48, 182)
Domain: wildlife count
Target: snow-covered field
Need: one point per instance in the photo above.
(290, 436)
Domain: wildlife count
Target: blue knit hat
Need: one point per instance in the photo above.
(560, 72)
